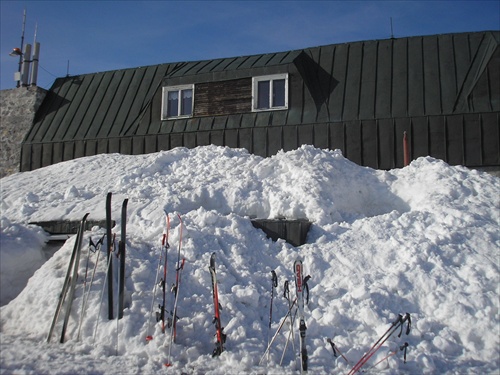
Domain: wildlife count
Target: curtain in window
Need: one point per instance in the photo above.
(187, 102)
(173, 103)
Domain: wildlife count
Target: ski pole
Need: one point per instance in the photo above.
(391, 353)
(286, 294)
(277, 331)
(274, 284)
(97, 248)
(109, 265)
(336, 349)
(290, 334)
(399, 322)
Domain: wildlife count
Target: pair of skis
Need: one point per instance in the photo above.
(300, 288)
(109, 279)
(121, 256)
(69, 285)
(161, 315)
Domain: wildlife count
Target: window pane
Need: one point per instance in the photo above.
(263, 94)
(279, 93)
(187, 102)
(173, 103)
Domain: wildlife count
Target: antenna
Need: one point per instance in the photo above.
(18, 75)
(392, 33)
(34, 60)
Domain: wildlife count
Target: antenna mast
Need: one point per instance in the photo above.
(392, 34)
(22, 45)
(35, 58)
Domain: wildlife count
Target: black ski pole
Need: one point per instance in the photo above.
(274, 284)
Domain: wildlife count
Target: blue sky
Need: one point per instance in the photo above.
(96, 36)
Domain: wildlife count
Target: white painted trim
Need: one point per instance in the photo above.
(271, 77)
(164, 101)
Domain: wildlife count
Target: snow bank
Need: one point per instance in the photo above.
(423, 239)
(20, 256)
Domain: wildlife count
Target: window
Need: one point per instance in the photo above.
(270, 92)
(177, 102)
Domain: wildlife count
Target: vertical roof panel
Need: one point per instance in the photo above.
(353, 82)
(432, 86)
(369, 70)
(415, 77)
(447, 72)
(400, 78)
(340, 60)
(383, 93)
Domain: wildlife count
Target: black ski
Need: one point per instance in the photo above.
(219, 330)
(299, 284)
(109, 242)
(66, 284)
(74, 277)
(121, 254)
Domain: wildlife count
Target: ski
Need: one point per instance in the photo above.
(219, 330)
(66, 284)
(163, 253)
(175, 289)
(74, 277)
(163, 281)
(109, 253)
(121, 255)
(299, 285)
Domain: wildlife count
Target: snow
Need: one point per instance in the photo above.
(422, 240)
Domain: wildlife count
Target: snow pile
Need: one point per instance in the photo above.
(20, 256)
(423, 239)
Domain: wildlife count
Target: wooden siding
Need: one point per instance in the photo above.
(223, 97)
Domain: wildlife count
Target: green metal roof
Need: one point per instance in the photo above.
(377, 80)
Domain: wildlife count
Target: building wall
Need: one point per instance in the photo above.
(17, 111)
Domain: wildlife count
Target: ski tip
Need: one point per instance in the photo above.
(149, 338)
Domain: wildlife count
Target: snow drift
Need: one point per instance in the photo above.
(423, 239)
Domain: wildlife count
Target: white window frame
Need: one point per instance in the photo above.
(270, 78)
(164, 106)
